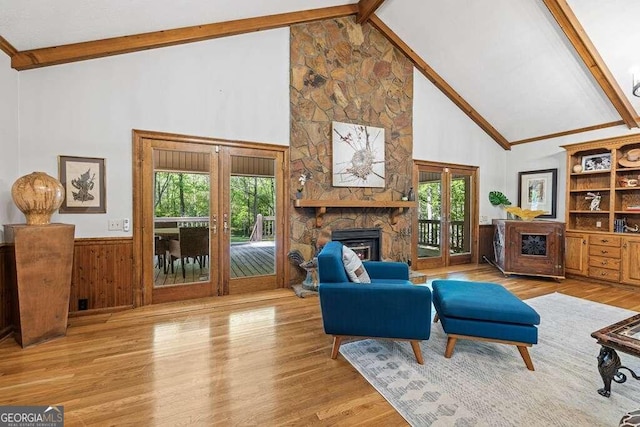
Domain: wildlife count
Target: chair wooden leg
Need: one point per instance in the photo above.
(451, 343)
(526, 357)
(436, 318)
(183, 272)
(337, 340)
(415, 345)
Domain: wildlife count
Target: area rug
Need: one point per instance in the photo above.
(487, 384)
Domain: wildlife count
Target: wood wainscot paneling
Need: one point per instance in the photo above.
(7, 289)
(102, 274)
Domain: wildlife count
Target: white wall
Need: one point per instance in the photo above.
(549, 154)
(443, 133)
(233, 88)
(9, 139)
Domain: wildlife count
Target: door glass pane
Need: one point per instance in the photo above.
(460, 223)
(181, 217)
(429, 214)
(252, 202)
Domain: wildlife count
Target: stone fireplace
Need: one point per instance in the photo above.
(365, 242)
(342, 71)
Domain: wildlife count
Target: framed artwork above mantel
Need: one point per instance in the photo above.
(358, 155)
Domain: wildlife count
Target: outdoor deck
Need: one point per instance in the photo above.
(247, 259)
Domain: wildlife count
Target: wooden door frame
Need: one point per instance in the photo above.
(189, 290)
(142, 293)
(474, 210)
(255, 283)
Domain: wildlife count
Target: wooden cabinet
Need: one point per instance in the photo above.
(577, 253)
(529, 247)
(604, 258)
(630, 269)
(603, 210)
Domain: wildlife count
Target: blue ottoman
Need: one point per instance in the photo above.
(484, 311)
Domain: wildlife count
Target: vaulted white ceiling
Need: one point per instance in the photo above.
(509, 59)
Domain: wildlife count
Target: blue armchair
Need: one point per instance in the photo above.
(388, 307)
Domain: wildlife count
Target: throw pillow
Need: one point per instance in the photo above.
(354, 267)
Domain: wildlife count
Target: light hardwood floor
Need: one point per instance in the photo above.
(239, 360)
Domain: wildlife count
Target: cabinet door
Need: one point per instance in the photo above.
(631, 260)
(535, 248)
(576, 250)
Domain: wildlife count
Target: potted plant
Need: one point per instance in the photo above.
(497, 198)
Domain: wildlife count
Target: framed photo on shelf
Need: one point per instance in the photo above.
(596, 162)
(537, 190)
(83, 179)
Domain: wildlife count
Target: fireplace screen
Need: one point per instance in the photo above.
(365, 242)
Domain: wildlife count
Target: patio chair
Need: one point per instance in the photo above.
(161, 249)
(193, 243)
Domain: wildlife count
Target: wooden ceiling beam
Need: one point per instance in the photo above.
(568, 132)
(439, 82)
(7, 47)
(44, 57)
(577, 36)
(366, 8)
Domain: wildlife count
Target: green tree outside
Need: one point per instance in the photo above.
(179, 194)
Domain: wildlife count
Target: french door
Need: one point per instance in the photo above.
(205, 220)
(447, 221)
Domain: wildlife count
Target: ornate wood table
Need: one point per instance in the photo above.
(623, 336)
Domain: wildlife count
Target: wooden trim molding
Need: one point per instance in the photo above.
(44, 57)
(366, 8)
(598, 143)
(165, 136)
(439, 82)
(571, 27)
(569, 132)
(7, 47)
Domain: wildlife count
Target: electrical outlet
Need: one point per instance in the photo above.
(115, 225)
(598, 224)
(484, 219)
(126, 225)
(83, 304)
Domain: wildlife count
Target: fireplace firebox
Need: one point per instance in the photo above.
(365, 242)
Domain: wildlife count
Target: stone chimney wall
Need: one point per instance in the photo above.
(342, 71)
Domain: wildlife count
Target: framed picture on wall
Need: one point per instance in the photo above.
(537, 191)
(358, 155)
(83, 179)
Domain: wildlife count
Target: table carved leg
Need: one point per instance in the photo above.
(609, 366)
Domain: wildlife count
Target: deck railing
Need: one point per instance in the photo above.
(263, 229)
(184, 221)
(429, 234)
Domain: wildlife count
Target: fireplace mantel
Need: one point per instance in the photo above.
(397, 207)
